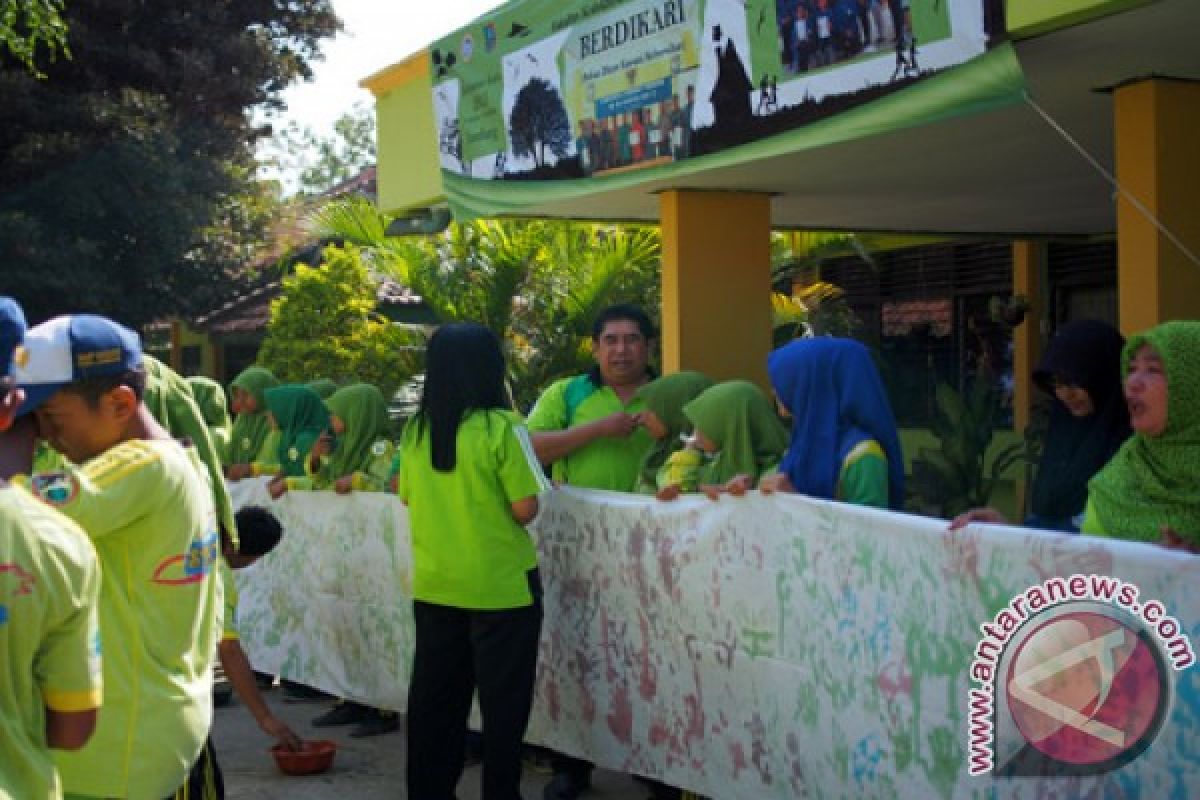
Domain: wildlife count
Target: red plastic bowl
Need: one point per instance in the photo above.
(310, 759)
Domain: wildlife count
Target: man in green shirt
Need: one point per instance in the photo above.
(49, 634)
(145, 502)
(588, 428)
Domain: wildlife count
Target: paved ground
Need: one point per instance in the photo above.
(364, 769)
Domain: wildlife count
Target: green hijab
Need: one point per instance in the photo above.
(324, 387)
(168, 397)
(250, 430)
(666, 397)
(740, 421)
(210, 397)
(363, 409)
(301, 418)
(1151, 481)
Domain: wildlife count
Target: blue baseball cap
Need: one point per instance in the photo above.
(12, 333)
(72, 348)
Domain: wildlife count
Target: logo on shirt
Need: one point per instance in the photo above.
(190, 567)
(379, 448)
(19, 583)
(56, 488)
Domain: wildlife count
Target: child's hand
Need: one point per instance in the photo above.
(1173, 541)
(988, 516)
(777, 482)
(712, 491)
(738, 485)
(344, 485)
(237, 472)
(277, 488)
(669, 493)
(323, 446)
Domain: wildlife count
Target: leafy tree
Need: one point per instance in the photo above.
(324, 325)
(127, 181)
(27, 26)
(539, 121)
(538, 284)
(325, 161)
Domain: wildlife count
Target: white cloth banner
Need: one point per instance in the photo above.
(759, 647)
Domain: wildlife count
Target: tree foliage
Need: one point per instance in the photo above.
(538, 284)
(323, 161)
(28, 27)
(127, 181)
(324, 325)
(539, 122)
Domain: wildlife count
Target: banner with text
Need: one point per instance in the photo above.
(761, 647)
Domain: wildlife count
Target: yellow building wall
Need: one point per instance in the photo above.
(410, 174)
(1158, 162)
(716, 283)
(1032, 17)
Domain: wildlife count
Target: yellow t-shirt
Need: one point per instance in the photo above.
(49, 637)
(148, 509)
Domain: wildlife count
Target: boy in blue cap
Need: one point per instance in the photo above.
(145, 502)
(49, 585)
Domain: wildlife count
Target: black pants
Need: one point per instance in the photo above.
(458, 650)
(204, 781)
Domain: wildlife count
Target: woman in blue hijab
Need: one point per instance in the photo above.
(844, 444)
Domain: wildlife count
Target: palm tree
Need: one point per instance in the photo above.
(536, 283)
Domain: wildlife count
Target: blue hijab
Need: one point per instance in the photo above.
(836, 399)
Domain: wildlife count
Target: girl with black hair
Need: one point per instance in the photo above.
(470, 480)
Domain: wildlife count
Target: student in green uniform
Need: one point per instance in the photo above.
(49, 590)
(144, 501)
(210, 399)
(738, 429)
(1148, 492)
(588, 428)
(301, 417)
(353, 455)
(664, 421)
(248, 439)
(470, 480)
(844, 443)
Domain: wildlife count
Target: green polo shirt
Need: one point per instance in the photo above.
(148, 509)
(49, 637)
(604, 463)
(468, 551)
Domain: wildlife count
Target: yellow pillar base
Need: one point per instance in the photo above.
(1156, 128)
(716, 283)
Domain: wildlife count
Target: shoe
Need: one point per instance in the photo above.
(375, 723)
(264, 681)
(299, 693)
(536, 760)
(566, 786)
(346, 713)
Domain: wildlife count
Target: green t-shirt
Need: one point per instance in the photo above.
(605, 463)
(148, 509)
(468, 551)
(49, 637)
(864, 477)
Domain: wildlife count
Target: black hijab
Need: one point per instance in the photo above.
(1086, 353)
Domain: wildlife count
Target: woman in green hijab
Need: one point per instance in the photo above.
(300, 416)
(358, 456)
(210, 398)
(736, 424)
(1148, 492)
(248, 441)
(324, 387)
(663, 419)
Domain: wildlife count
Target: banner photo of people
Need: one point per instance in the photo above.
(546, 90)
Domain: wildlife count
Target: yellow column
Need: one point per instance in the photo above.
(716, 283)
(1156, 129)
(1027, 260)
